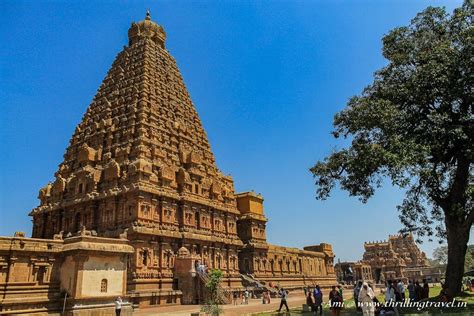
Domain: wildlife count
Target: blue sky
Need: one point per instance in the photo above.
(267, 78)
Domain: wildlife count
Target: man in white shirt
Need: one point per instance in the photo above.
(283, 294)
(118, 306)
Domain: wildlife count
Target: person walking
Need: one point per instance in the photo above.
(309, 301)
(426, 289)
(246, 297)
(418, 291)
(118, 306)
(318, 299)
(366, 300)
(340, 289)
(391, 298)
(411, 291)
(266, 297)
(235, 297)
(283, 295)
(401, 289)
(336, 301)
(356, 294)
(398, 295)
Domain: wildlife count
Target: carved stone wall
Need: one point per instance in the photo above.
(392, 258)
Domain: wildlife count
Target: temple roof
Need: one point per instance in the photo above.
(146, 28)
(141, 131)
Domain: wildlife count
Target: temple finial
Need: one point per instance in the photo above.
(148, 15)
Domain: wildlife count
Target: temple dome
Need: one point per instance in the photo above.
(146, 29)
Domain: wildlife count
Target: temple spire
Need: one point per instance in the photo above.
(147, 29)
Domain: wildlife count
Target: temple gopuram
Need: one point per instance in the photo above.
(139, 193)
(396, 258)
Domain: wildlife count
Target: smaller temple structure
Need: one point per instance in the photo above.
(78, 275)
(350, 272)
(396, 258)
(391, 258)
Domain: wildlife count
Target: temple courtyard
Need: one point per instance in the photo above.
(254, 306)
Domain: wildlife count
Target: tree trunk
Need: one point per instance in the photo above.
(458, 237)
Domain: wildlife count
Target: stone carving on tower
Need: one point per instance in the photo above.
(140, 160)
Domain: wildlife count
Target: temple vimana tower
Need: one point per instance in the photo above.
(139, 168)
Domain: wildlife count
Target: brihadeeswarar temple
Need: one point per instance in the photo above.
(138, 200)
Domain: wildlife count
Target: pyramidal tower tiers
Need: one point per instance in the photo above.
(140, 161)
(139, 166)
(139, 151)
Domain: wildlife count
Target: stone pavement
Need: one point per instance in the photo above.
(254, 306)
(295, 300)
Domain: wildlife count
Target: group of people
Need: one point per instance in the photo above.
(469, 285)
(314, 299)
(243, 297)
(366, 301)
(266, 299)
(416, 292)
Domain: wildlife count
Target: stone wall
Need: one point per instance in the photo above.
(289, 267)
(42, 275)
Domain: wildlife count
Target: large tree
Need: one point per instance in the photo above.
(414, 125)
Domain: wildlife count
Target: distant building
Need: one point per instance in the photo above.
(396, 258)
(351, 272)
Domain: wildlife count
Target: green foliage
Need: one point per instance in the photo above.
(440, 254)
(469, 260)
(215, 297)
(414, 124)
(212, 309)
(440, 258)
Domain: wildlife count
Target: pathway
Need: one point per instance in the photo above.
(254, 306)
